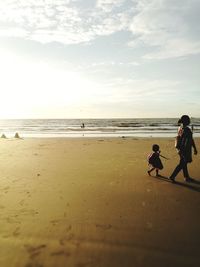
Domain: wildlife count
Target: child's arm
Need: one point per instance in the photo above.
(163, 157)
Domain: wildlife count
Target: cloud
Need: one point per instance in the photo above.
(175, 48)
(62, 21)
(164, 28)
(108, 5)
(170, 27)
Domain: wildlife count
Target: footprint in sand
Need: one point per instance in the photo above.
(16, 232)
(60, 253)
(34, 265)
(34, 251)
(6, 188)
(69, 228)
(21, 203)
(16, 180)
(28, 212)
(68, 238)
(12, 220)
(149, 225)
(85, 264)
(55, 222)
(28, 194)
(104, 226)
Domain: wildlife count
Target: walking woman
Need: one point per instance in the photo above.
(184, 144)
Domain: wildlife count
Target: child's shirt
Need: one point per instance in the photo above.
(154, 160)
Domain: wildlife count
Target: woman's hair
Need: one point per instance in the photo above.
(155, 148)
(185, 119)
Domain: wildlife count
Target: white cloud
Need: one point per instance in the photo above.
(175, 48)
(62, 21)
(169, 26)
(108, 5)
(107, 27)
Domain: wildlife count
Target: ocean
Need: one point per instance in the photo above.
(136, 127)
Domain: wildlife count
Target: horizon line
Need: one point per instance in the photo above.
(97, 118)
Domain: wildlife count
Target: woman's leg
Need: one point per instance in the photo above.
(177, 170)
(186, 174)
(185, 170)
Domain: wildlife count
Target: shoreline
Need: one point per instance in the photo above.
(128, 127)
(96, 138)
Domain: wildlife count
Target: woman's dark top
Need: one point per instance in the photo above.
(186, 143)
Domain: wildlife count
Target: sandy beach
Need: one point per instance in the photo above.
(89, 202)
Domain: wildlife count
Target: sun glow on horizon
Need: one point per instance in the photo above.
(27, 88)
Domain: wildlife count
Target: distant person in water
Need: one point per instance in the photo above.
(83, 125)
(184, 143)
(154, 160)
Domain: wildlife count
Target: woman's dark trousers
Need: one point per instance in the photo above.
(181, 166)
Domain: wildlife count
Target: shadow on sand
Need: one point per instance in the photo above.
(191, 185)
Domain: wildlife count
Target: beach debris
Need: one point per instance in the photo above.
(3, 136)
(17, 135)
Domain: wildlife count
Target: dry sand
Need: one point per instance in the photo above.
(89, 203)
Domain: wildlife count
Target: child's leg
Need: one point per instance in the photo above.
(157, 173)
(149, 172)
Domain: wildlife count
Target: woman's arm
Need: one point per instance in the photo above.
(194, 146)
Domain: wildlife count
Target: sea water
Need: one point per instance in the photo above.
(136, 127)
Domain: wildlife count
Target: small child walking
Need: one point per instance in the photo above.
(154, 160)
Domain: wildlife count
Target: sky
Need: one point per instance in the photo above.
(99, 58)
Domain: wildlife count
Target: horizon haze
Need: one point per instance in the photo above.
(99, 59)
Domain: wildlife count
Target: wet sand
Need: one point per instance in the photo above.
(89, 202)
